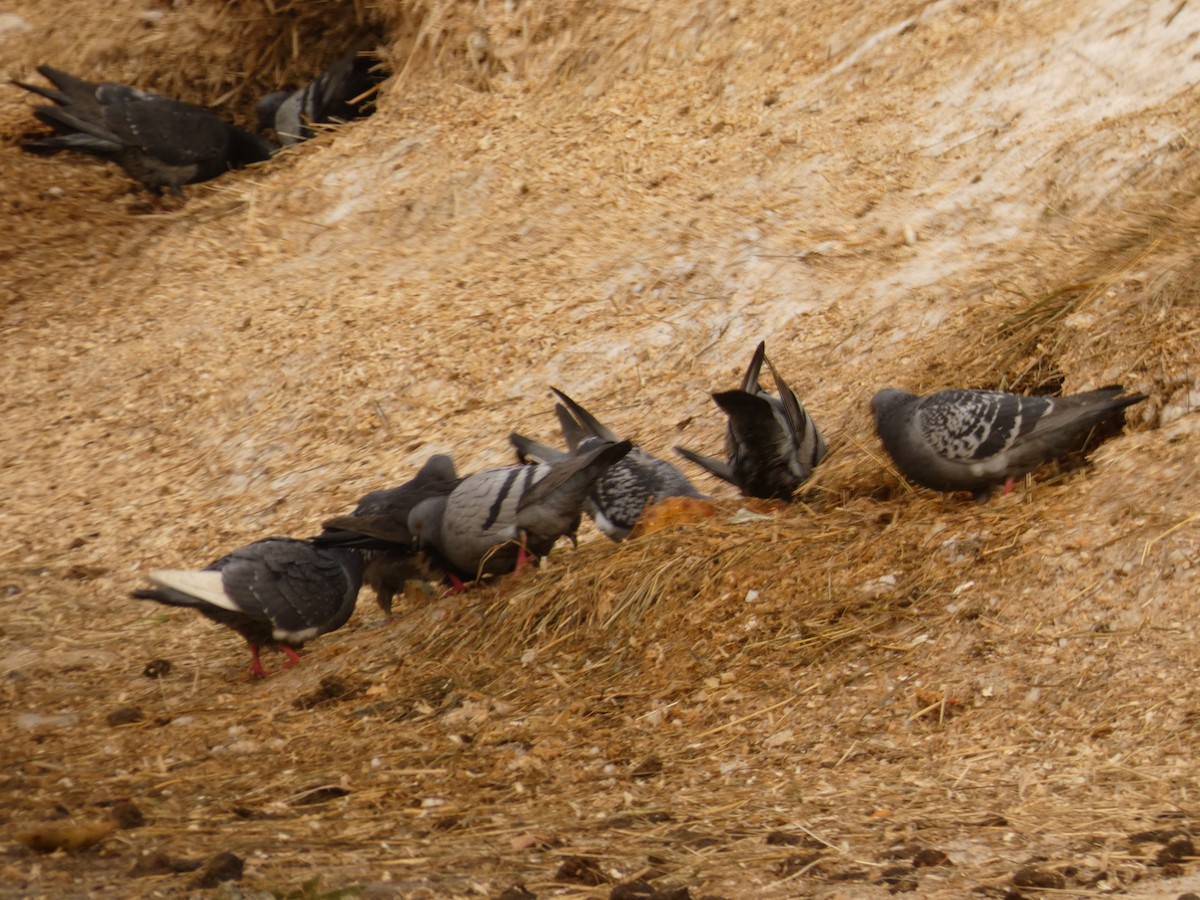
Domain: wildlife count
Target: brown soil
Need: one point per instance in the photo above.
(874, 690)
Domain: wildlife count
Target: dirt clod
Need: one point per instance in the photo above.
(221, 867)
(1034, 877)
(157, 668)
(581, 870)
(124, 715)
(127, 814)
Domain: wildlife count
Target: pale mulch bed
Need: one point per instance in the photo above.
(619, 202)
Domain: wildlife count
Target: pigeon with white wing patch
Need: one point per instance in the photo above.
(965, 440)
(278, 592)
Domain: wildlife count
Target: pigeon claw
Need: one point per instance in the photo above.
(292, 655)
(256, 666)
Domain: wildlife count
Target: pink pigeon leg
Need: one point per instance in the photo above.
(293, 656)
(256, 666)
(523, 556)
(1010, 484)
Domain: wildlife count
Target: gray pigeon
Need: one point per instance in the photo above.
(771, 443)
(616, 500)
(163, 143)
(343, 92)
(494, 518)
(278, 592)
(489, 522)
(962, 440)
(391, 563)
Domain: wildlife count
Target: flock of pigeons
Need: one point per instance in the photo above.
(165, 143)
(283, 591)
(441, 525)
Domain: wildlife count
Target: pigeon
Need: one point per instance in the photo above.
(617, 498)
(161, 142)
(342, 92)
(962, 440)
(771, 443)
(492, 521)
(390, 564)
(277, 592)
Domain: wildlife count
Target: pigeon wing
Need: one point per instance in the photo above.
(583, 418)
(976, 426)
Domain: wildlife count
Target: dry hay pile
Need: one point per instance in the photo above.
(873, 690)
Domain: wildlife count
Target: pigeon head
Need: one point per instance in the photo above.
(425, 520)
(267, 106)
(888, 400)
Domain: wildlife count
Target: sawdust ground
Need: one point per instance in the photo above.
(813, 701)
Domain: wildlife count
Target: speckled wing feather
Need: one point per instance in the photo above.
(618, 497)
(978, 425)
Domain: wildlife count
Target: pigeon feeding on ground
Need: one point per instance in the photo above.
(493, 520)
(161, 142)
(616, 500)
(342, 92)
(390, 564)
(961, 440)
(771, 443)
(278, 592)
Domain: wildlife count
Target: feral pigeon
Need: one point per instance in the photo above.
(962, 440)
(771, 443)
(278, 592)
(343, 92)
(161, 142)
(490, 521)
(618, 497)
(391, 563)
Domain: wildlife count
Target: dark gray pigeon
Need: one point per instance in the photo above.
(616, 500)
(163, 143)
(278, 592)
(962, 440)
(342, 92)
(391, 563)
(772, 445)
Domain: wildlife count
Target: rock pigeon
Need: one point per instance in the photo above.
(161, 142)
(344, 91)
(618, 497)
(771, 443)
(962, 440)
(391, 563)
(491, 520)
(278, 592)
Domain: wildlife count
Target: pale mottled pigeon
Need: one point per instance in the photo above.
(616, 500)
(342, 92)
(961, 440)
(161, 142)
(494, 518)
(771, 443)
(390, 563)
(277, 592)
